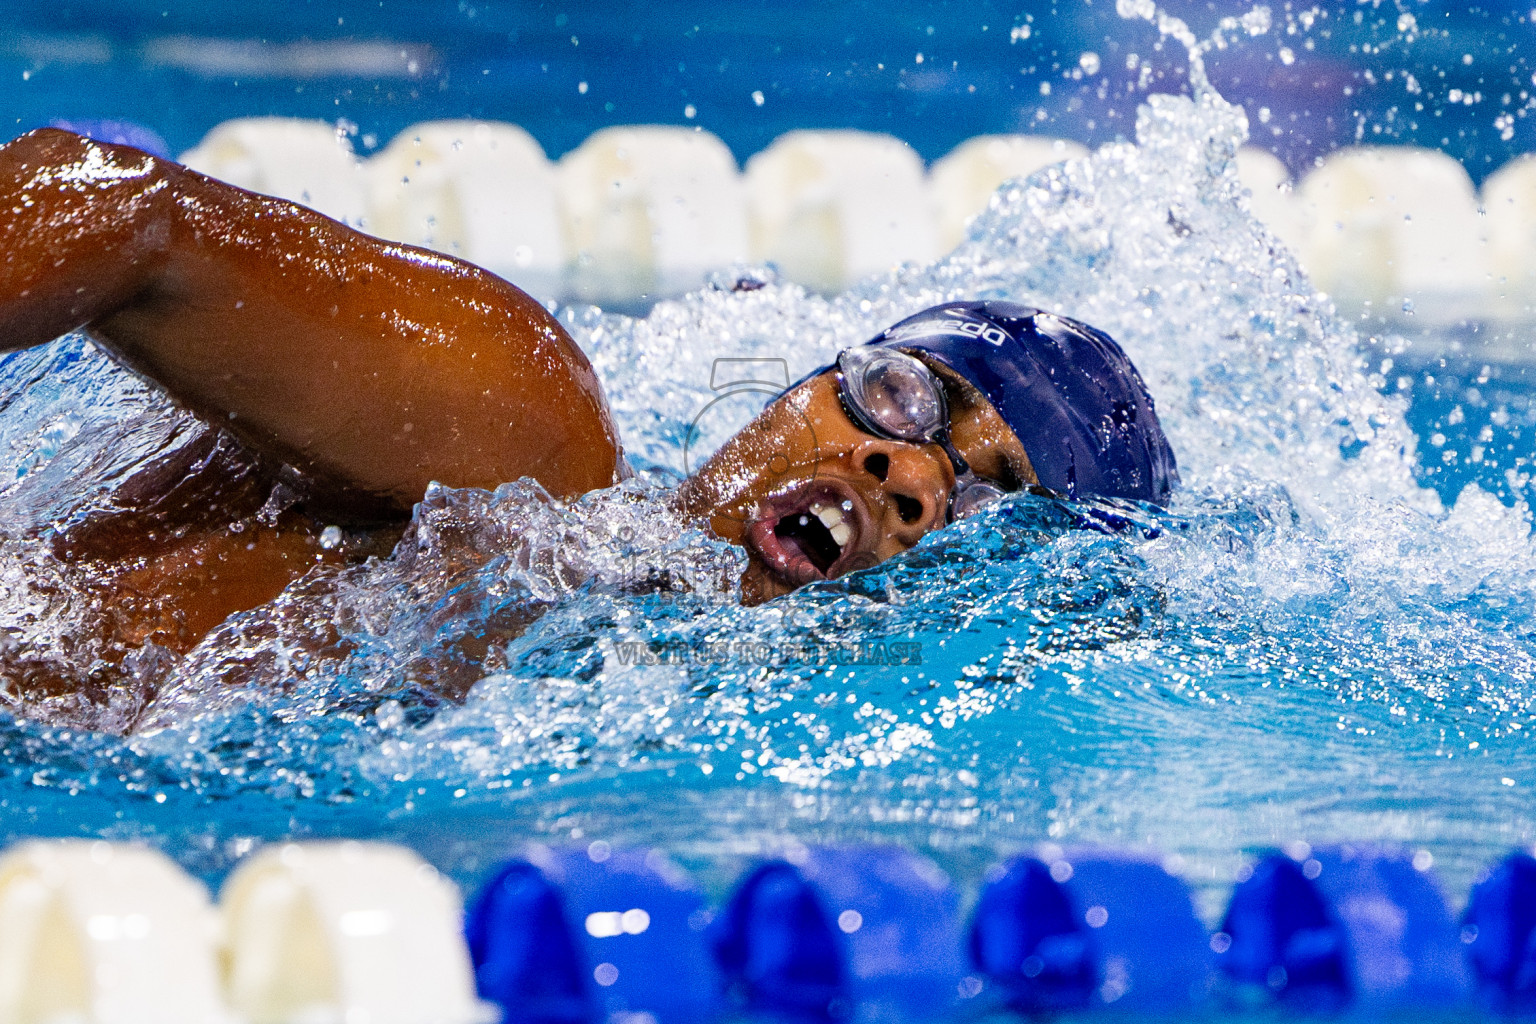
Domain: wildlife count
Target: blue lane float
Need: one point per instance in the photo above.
(1499, 931)
(1028, 938)
(525, 956)
(831, 934)
(833, 930)
(1086, 928)
(778, 948)
(1356, 927)
(594, 934)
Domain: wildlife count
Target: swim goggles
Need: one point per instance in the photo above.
(895, 396)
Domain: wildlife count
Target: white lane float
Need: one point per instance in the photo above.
(105, 933)
(307, 162)
(478, 190)
(962, 182)
(645, 211)
(363, 933)
(1273, 195)
(831, 207)
(1396, 230)
(1509, 201)
(649, 210)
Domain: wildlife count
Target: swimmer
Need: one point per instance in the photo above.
(345, 373)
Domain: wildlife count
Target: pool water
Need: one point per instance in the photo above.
(1328, 635)
(1473, 420)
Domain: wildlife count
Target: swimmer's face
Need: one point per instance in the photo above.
(811, 496)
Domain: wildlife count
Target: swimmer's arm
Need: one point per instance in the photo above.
(372, 368)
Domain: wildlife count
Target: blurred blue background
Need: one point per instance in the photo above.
(933, 74)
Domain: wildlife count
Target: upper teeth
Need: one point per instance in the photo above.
(832, 518)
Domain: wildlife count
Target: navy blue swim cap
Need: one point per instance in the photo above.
(1066, 389)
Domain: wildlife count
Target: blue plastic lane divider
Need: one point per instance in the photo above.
(1154, 953)
(1280, 936)
(640, 921)
(123, 133)
(1406, 947)
(525, 957)
(1499, 930)
(872, 933)
(1029, 939)
(872, 930)
(579, 936)
(899, 915)
(1356, 925)
(1091, 928)
(778, 948)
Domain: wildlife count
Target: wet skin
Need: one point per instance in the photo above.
(348, 373)
(369, 367)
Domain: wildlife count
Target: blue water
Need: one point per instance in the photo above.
(1475, 421)
(1329, 635)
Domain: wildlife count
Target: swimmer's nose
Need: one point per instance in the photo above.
(913, 482)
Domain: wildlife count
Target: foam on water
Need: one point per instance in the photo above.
(1307, 644)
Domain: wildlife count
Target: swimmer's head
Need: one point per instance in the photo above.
(933, 418)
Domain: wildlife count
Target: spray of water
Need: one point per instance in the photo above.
(1307, 642)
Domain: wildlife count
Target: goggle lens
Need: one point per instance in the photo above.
(974, 498)
(895, 394)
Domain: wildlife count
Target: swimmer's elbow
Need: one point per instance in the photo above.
(57, 159)
(86, 228)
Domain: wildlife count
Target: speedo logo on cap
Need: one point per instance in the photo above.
(990, 333)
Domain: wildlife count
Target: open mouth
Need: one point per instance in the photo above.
(813, 538)
(817, 534)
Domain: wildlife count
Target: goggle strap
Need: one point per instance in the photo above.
(962, 468)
